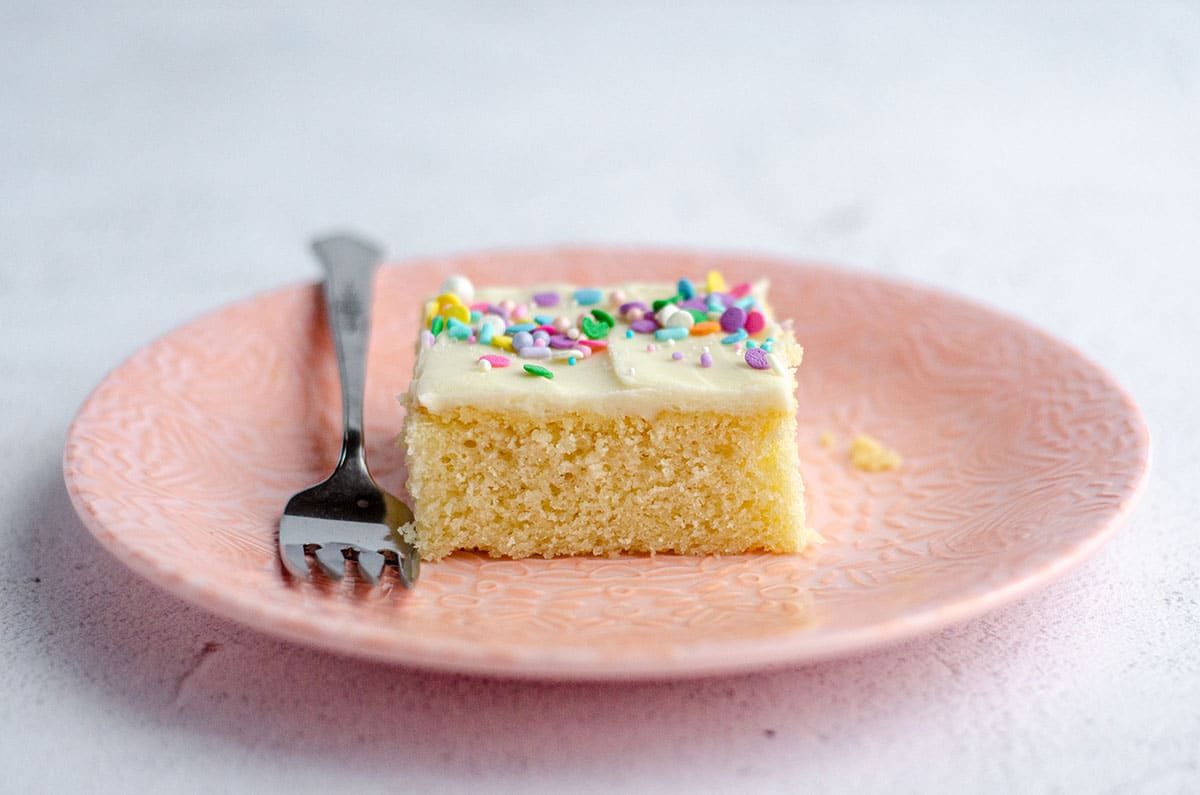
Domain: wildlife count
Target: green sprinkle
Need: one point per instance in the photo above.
(437, 325)
(594, 329)
(604, 317)
(661, 302)
(697, 315)
(537, 369)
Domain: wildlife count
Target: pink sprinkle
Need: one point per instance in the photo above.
(495, 359)
(676, 355)
(737, 348)
(741, 290)
(706, 359)
(480, 307)
(583, 351)
(757, 358)
(547, 329)
(755, 322)
(650, 348)
(596, 345)
(539, 343)
(471, 338)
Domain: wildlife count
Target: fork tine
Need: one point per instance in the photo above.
(370, 565)
(294, 560)
(331, 560)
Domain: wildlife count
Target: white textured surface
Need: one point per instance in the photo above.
(156, 164)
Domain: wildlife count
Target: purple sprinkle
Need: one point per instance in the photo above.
(632, 305)
(546, 299)
(644, 326)
(496, 310)
(733, 319)
(676, 355)
(757, 358)
(561, 341)
(706, 359)
(693, 303)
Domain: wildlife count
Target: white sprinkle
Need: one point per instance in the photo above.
(460, 286)
(484, 365)
(776, 365)
(630, 371)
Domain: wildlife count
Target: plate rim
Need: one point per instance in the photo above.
(790, 649)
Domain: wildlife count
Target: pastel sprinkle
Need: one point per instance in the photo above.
(475, 316)
(651, 348)
(495, 360)
(427, 339)
(745, 303)
(583, 352)
(706, 359)
(594, 329)
(755, 322)
(736, 336)
(502, 341)
(540, 342)
(544, 320)
(604, 317)
(457, 329)
(535, 352)
(521, 340)
(644, 326)
(546, 299)
(561, 341)
(537, 369)
(457, 312)
(484, 365)
(715, 282)
(448, 298)
(733, 319)
(624, 308)
(437, 325)
(776, 364)
(480, 307)
(673, 333)
(513, 329)
(571, 360)
(705, 327)
(757, 358)
(586, 296)
(751, 344)
(459, 285)
(740, 290)
(595, 345)
(676, 356)
(628, 333)
(686, 288)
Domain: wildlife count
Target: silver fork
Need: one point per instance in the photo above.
(348, 518)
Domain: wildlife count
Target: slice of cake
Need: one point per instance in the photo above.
(643, 418)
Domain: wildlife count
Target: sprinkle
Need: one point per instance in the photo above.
(757, 358)
(616, 297)
(776, 364)
(736, 336)
(715, 282)
(472, 338)
(495, 360)
(751, 344)
(665, 312)
(651, 348)
(479, 306)
(676, 356)
(513, 329)
(537, 369)
(681, 319)
(661, 302)
(745, 303)
(634, 315)
(521, 311)
(457, 329)
(583, 351)
(685, 288)
(586, 296)
(595, 345)
(573, 333)
(604, 317)
(767, 346)
(459, 285)
(484, 365)
(457, 312)
(705, 327)
(628, 333)
(475, 316)
(448, 299)
(571, 360)
(427, 339)
(561, 341)
(437, 325)
(624, 308)
(706, 359)
(540, 342)
(521, 340)
(535, 352)
(594, 329)
(644, 326)
(541, 334)
(503, 342)
(740, 290)
(543, 320)
(561, 324)
(673, 333)
(714, 303)
(733, 319)
(546, 299)
(755, 322)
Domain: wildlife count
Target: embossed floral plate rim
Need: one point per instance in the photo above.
(188, 517)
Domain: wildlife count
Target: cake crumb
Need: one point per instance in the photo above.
(869, 455)
(827, 440)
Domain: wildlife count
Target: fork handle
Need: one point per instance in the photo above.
(350, 264)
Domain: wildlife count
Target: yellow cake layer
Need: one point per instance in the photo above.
(516, 485)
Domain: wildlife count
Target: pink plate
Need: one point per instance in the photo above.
(1020, 457)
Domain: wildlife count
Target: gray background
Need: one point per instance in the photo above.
(157, 162)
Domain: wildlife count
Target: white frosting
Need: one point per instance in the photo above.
(625, 380)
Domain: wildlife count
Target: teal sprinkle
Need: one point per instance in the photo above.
(520, 327)
(486, 332)
(715, 304)
(587, 296)
(736, 336)
(686, 289)
(766, 346)
(751, 344)
(476, 316)
(571, 360)
(671, 333)
(544, 320)
(744, 303)
(458, 329)
(628, 333)
(769, 339)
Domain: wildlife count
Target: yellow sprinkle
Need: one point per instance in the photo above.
(502, 341)
(456, 311)
(827, 440)
(449, 299)
(870, 455)
(715, 282)
(431, 310)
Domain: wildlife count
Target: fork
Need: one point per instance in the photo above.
(348, 519)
